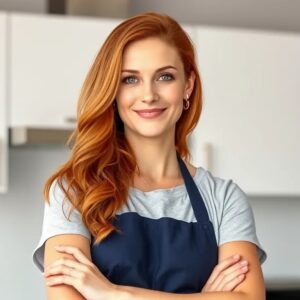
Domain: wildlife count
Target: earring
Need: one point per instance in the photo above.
(186, 103)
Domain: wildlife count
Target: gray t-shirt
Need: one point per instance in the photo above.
(227, 205)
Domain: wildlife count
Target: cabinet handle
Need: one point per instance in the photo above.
(70, 120)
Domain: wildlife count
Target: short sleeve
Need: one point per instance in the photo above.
(237, 223)
(56, 222)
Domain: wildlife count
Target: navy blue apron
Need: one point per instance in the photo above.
(160, 254)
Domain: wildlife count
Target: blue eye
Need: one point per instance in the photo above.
(128, 79)
(133, 79)
(167, 75)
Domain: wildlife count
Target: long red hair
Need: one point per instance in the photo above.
(101, 166)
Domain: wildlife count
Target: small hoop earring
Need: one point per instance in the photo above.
(186, 102)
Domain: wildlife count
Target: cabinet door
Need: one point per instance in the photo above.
(50, 57)
(3, 101)
(251, 114)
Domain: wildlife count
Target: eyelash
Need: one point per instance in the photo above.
(166, 74)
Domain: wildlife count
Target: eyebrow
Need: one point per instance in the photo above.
(160, 69)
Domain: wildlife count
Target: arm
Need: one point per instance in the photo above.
(252, 288)
(64, 291)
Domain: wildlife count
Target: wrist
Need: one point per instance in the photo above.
(120, 292)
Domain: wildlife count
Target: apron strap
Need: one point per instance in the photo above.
(194, 194)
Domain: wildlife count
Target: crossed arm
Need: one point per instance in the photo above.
(251, 288)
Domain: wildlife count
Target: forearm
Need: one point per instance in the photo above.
(135, 293)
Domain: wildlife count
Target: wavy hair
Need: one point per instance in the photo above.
(101, 166)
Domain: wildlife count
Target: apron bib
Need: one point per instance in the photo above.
(160, 254)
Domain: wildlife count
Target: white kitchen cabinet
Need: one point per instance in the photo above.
(3, 105)
(50, 57)
(251, 115)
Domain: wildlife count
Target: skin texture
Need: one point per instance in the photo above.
(145, 88)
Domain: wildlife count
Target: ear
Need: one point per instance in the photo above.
(190, 81)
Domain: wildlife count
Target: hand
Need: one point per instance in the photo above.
(226, 275)
(82, 274)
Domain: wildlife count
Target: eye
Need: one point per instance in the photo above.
(167, 77)
(129, 79)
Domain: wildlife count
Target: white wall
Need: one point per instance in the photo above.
(21, 216)
(21, 213)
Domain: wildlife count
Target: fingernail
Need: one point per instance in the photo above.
(236, 256)
(244, 262)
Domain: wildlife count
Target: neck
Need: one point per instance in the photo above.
(156, 158)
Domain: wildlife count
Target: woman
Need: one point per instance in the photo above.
(142, 222)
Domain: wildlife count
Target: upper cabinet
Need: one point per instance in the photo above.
(3, 104)
(251, 112)
(50, 57)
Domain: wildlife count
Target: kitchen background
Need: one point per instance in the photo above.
(251, 138)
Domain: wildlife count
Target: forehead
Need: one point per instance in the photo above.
(150, 53)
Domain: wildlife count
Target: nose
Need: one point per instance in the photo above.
(149, 93)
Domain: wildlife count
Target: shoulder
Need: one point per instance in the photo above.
(219, 188)
(60, 218)
(218, 191)
(229, 209)
(59, 204)
(224, 198)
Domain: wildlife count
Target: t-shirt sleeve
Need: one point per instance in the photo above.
(56, 222)
(237, 222)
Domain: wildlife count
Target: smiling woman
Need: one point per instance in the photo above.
(158, 78)
(143, 222)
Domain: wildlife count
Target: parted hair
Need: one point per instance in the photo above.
(101, 165)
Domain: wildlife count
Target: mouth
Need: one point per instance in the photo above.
(150, 113)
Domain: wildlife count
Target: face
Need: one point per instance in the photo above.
(152, 78)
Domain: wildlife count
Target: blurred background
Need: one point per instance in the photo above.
(248, 54)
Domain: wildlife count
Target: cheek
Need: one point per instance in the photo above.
(172, 93)
(124, 99)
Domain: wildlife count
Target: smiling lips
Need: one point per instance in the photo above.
(150, 113)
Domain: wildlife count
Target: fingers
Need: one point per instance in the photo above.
(75, 252)
(223, 265)
(62, 279)
(64, 271)
(229, 286)
(229, 278)
(228, 274)
(67, 267)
